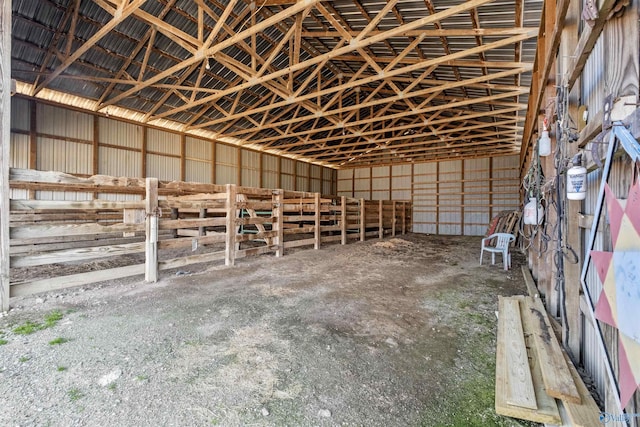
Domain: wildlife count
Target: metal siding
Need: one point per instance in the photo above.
(226, 174)
(269, 163)
(198, 148)
(250, 177)
(116, 162)
(593, 79)
(269, 171)
(197, 171)
(476, 197)
(345, 182)
(287, 182)
(315, 185)
(401, 182)
(424, 198)
(302, 183)
(20, 114)
(162, 167)
(18, 158)
(163, 142)
(64, 156)
(327, 188)
(250, 168)
(115, 132)
(380, 171)
(63, 122)
(449, 218)
(315, 171)
(269, 179)
(380, 195)
(288, 166)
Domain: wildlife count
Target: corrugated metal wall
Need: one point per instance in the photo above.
(226, 164)
(197, 160)
(380, 183)
(250, 168)
(425, 198)
(19, 145)
(64, 141)
(269, 171)
(452, 197)
(476, 196)
(287, 174)
(302, 176)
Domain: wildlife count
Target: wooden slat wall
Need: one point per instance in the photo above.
(177, 224)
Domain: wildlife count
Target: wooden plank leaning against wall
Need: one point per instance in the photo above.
(5, 124)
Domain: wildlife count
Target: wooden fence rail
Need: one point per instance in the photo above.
(60, 243)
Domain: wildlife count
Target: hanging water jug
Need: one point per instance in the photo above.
(533, 213)
(577, 183)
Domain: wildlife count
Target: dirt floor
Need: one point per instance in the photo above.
(393, 332)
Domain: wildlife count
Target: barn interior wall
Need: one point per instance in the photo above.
(56, 138)
(593, 63)
(457, 197)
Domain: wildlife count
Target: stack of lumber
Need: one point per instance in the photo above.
(534, 375)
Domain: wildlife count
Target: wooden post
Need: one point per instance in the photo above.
(203, 214)
(33, 142)
(151, 228)
(277, 224)
(343, 220)
(183, 157)
(230, 248)
(393, 221)
(380, 220)
(404, 217)
(144, 152)
(363, 222)
(175, 214)
(316, 231)
(572, 330)
(5, 138)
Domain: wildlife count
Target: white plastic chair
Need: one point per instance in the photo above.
(502, 242)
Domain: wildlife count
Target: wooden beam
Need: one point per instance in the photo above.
(5, 142)
(151, 233)
(123, 12)
(586, 43)
(205, 53)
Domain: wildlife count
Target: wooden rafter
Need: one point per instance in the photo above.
(303, 77)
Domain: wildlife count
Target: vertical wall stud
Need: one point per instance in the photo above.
(151, 227)
(230, 247)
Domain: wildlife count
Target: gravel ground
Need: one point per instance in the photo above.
(391, 332)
